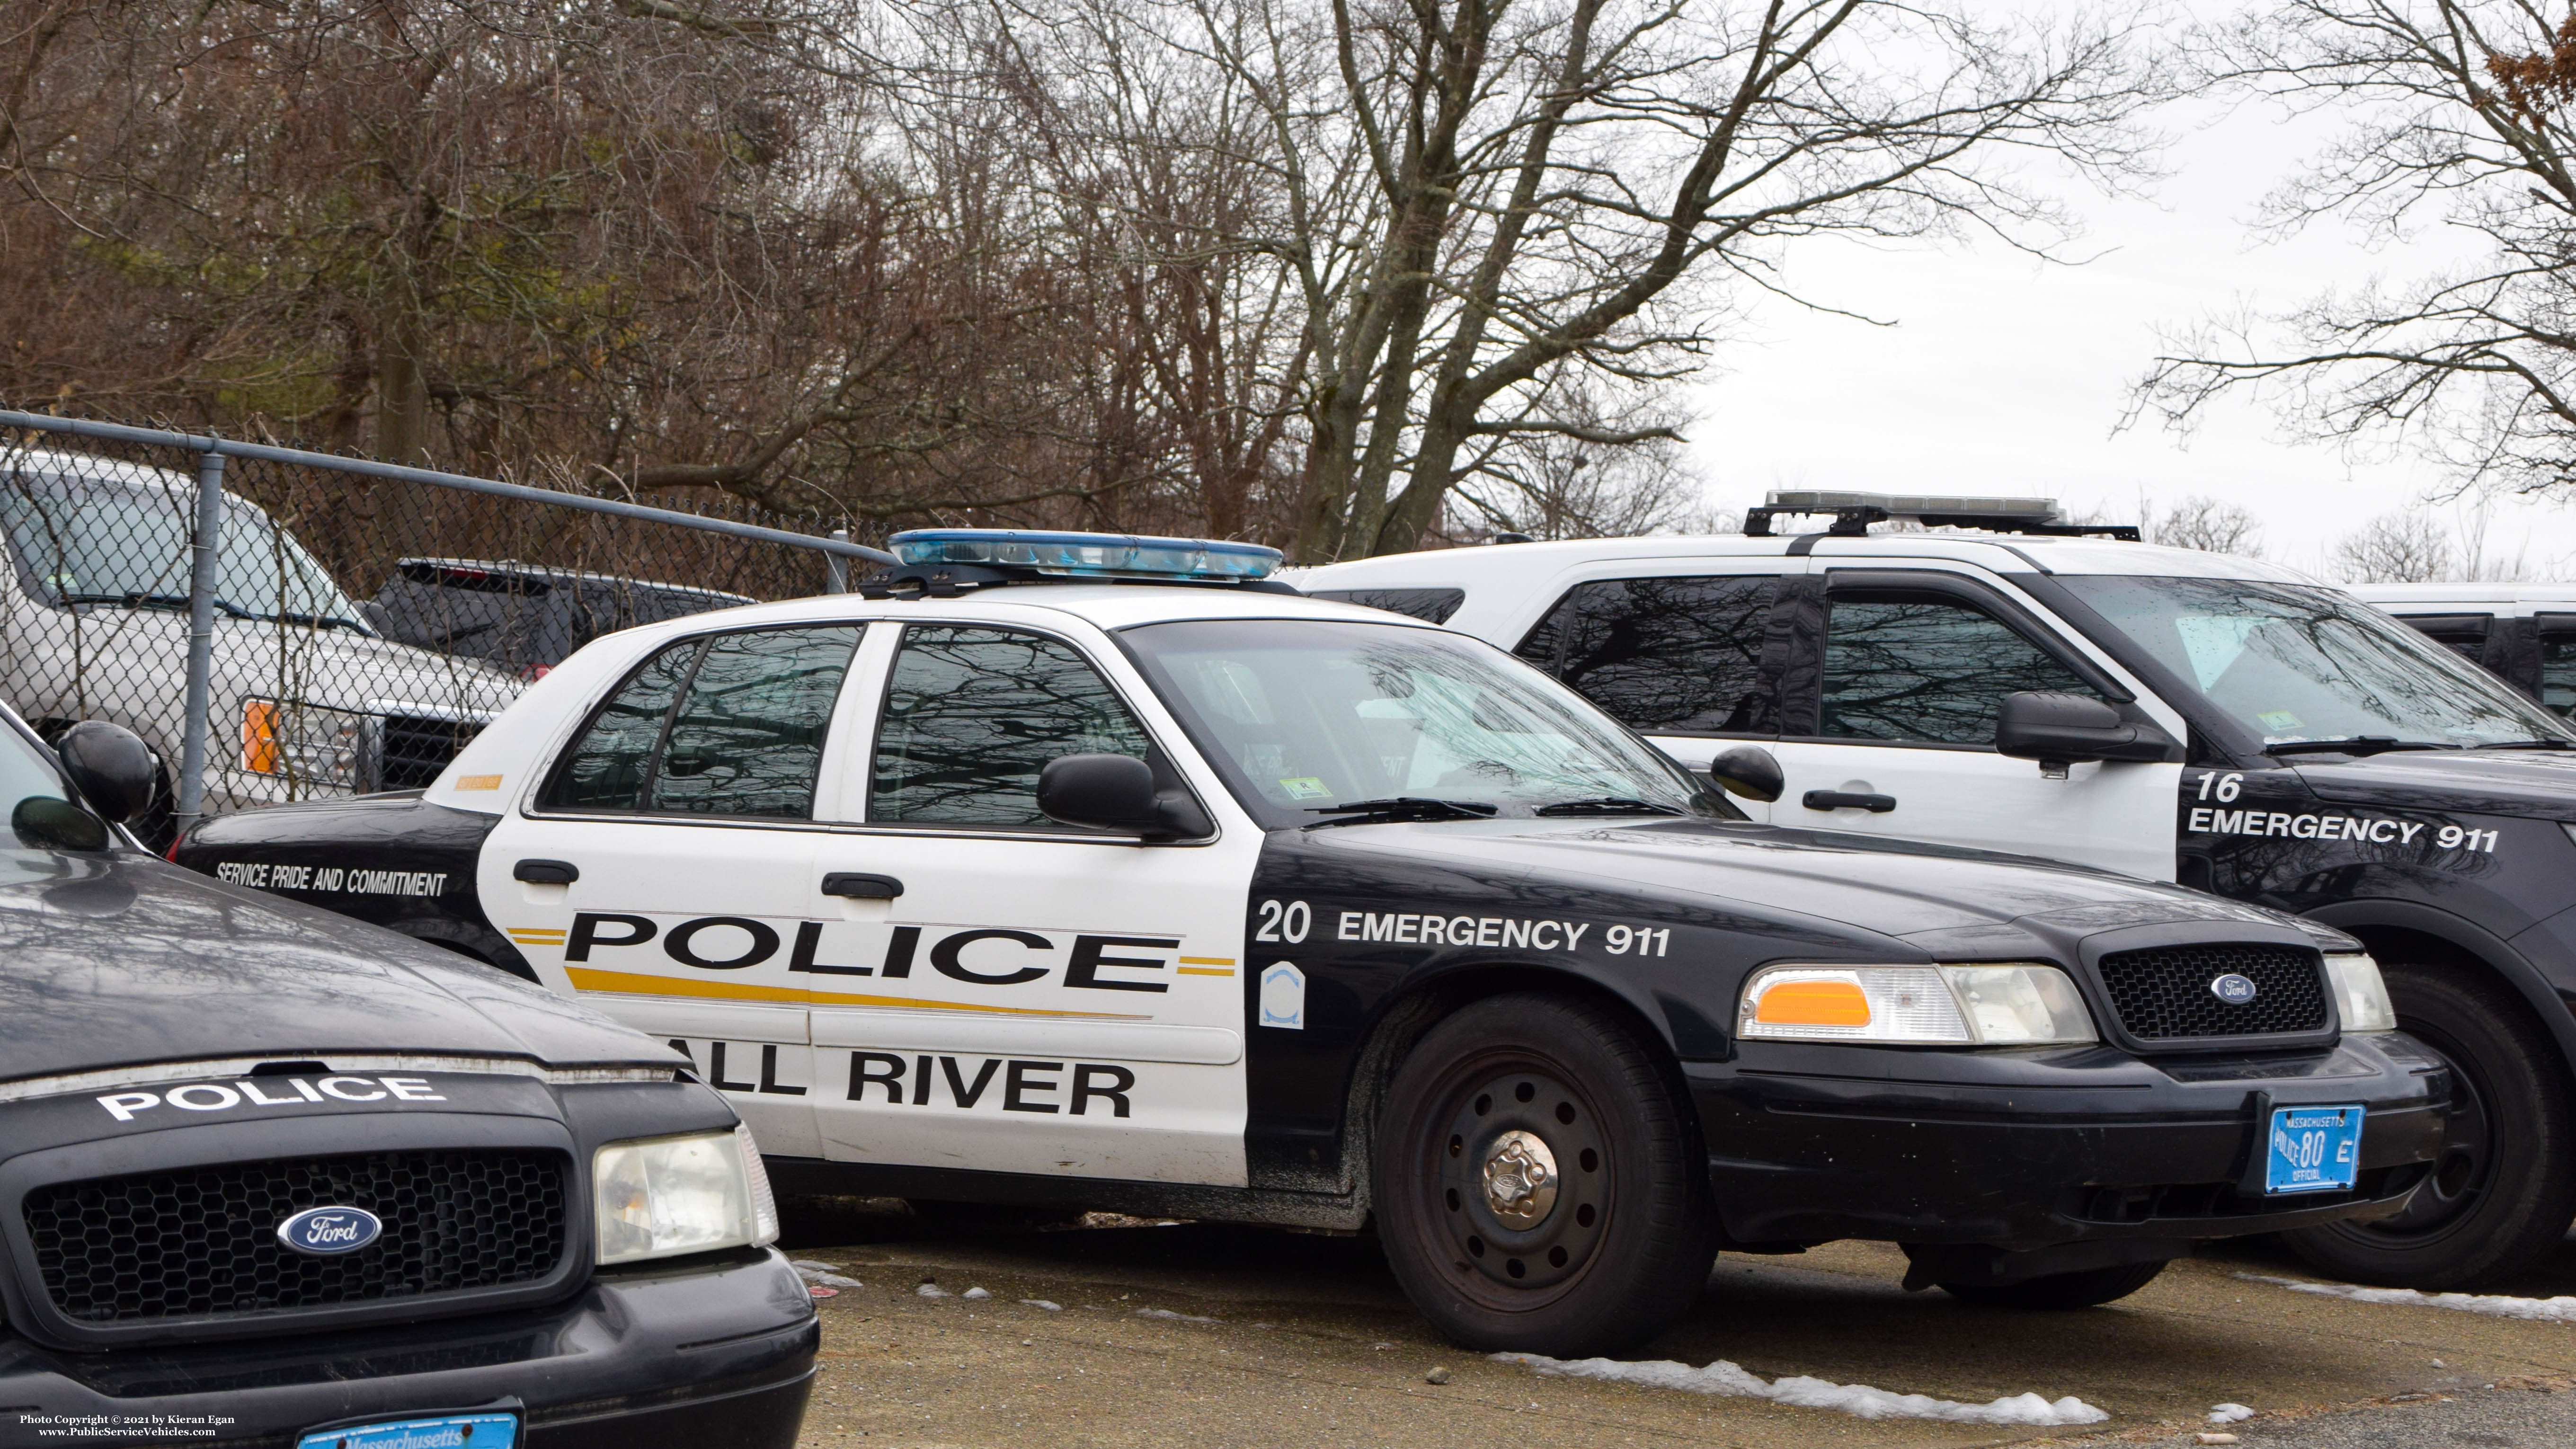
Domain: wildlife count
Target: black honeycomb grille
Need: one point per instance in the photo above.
(198, 1242)
(2162, 994)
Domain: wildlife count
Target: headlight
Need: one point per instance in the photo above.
(311, 743)
(2013, 1005)
(2361, 993)
(663, 1196)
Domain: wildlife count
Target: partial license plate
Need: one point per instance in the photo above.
(443, 1431)
(2313, 1149)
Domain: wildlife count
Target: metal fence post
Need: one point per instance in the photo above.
(205, 552)
(836, 567)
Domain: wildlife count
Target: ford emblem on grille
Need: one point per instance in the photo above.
(329, 1230)
(2233, 989)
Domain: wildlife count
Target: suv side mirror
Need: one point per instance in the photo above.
(1117, 792)
(2068, 729)
(1749, 771)
(110, 766)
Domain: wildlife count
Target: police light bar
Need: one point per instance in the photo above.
(1087, 555)
(1853, 513)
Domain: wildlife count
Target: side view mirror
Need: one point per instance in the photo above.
(1116, 792)
(1749, 771)
(2068, 729)
(110, 766)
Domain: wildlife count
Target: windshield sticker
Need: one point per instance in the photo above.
(1305, 787)
(2279, 721)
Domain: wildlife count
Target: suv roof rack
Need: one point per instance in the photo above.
(946, 562)
(1853, 513)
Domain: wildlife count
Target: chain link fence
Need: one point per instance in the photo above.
(283, 625)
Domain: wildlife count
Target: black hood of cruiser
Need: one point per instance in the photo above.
(120, 959)
(1937, 897)
(2534, 784)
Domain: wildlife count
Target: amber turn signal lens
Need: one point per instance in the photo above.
(259, 736)
(1813, 1003)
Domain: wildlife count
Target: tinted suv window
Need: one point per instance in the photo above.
(745, 737)
(1665, 656)
(972, 716)
(1927, 669)
(2558, 662)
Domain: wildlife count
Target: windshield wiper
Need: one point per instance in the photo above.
(226, 607)
(2526, 745)
(1402, 807)
(2356, 745)
(1608, 805)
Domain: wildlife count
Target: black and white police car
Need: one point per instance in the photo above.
(1074, 869)
(2064, 691)
(269, 1175)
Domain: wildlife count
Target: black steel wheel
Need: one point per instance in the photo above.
(2086, 1289)
(2504, 1187)
(1538, 1183)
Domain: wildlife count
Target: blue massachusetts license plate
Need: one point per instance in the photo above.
(442, 1431)
(2313, 1149)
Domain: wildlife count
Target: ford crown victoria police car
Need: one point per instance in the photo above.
(2169, 713)
(267, 1174)
(1204, 899)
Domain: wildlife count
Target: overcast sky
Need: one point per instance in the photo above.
(2006, 375)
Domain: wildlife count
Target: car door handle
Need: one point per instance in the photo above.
(1845, 800)
(546, 872)
(861, 887)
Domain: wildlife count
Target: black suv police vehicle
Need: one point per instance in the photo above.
(1017, 881)
(268, 1174)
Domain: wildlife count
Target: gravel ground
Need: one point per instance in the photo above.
(1206, 1335)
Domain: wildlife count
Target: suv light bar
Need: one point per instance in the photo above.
(1853, 513)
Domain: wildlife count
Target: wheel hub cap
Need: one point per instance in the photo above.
(1520, 1180)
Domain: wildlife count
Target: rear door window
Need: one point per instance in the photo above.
(2558, 663)
(2464, 634)
(1666, 655)
(731, 724)
(1927, 669)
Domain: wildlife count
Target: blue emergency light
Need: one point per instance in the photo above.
(1087, 555)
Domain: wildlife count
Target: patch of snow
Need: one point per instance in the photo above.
(1800, 1391)
(1166, 1313)
(1042, 1303)
(810, 1263)
(933, 1290)
(975, 1293)
(2229, 1413)
(2561, 1309)
(828, 1280)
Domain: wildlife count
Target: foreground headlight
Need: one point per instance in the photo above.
(2361, 993)
(311, 743)
(663, 1196)
(2012, 1005)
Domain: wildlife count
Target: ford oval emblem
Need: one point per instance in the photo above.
(326, 1231)
(2233, 989)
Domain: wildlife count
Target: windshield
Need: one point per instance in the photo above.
(1307, 714)
(2295, 663)
(97, 540)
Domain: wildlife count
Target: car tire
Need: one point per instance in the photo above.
(1538, 1180)
(2087, 1289)
(2504, 1189)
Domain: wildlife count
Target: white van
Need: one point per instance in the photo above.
(308, 699)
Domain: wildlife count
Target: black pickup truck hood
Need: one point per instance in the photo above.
(1940, 896)
(119, 960)
(2534, 784)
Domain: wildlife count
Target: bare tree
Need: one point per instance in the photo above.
(2457, 113)
(2396, 548)
(2205, 523)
